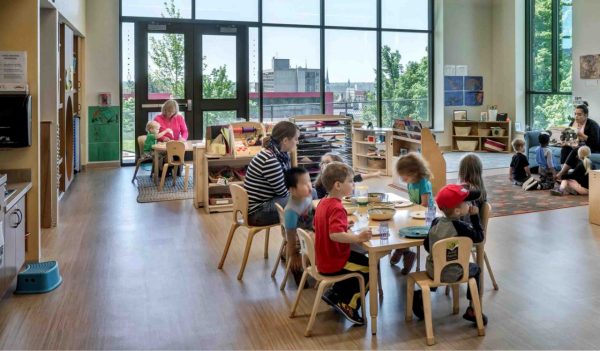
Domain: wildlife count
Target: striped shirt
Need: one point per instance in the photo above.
(264, 179)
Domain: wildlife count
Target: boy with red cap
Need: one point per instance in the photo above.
(452, 200)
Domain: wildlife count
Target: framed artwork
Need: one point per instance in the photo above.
(454, 98)
(460, 115)
(474, 98)
(473, 83)
(589, 67)
(453, 83)
(483, 117)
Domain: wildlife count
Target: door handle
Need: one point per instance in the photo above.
(189, 105)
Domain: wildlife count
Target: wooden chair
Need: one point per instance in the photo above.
(240, 207)
(307, 248)
(283, 247)
(175, 158)
(463, 246)
(143, 158)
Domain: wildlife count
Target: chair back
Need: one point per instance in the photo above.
(484, 216)
(280, 212)
(455, 250)
(239, 197)
(141, 140)
(307, 248)
(175, 152)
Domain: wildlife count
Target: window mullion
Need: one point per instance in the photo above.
(555, 45)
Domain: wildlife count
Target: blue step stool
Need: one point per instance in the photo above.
(38, 278)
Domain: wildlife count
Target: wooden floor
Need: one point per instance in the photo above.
(143, 276)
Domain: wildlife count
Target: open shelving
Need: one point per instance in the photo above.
(480, 132)
(372, 150)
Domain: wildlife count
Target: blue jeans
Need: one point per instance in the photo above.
(266, 214)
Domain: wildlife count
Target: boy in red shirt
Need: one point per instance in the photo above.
(332, 242)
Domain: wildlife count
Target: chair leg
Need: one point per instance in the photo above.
(410, 292)
(288, 269)
(251, 234)
(447, 292)
(313, 313)
(162, 178)
(186, 177)
(281, 248)
(234, 226)
(455, 300)
(489, 268)
(379, 285)
(175, 169)
(427, 313)
(137, 167)
(300, 289)
(268, 231)
(476, 307)
(361, 281)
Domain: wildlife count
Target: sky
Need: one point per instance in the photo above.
(349, 54)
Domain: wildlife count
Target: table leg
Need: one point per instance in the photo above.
(480, 262)
(373, 288)
(155, 166)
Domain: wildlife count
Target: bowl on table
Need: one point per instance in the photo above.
(381, 213)
(376, 197)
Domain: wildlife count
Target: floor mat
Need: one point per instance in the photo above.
(489, 160)
(508, 199)
(148, 190)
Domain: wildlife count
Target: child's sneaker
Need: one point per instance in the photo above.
(409, 262)
(350, 313)
(470, 316)
(556, 192)
(396, 257)
(528, 182)
(535, 185)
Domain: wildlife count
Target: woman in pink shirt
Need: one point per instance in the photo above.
(171, 119)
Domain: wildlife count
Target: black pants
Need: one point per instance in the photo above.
(348, 291)
(568, 155)
(474, 272)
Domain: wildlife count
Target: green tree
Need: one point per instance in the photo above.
(404, 89)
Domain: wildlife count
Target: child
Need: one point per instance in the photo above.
(332, 242)
(298, 213)
(470, 174)
(152, 128)
(544, 158)
(412, 168)
(576, 182)
(452, 201)
(519, 165)
(331, 157)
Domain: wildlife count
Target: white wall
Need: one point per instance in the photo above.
(74, 13)
(101, 58)
(586, 42)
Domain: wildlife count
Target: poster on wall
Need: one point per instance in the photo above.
(473, 83)
(454, 98)
(453, 83)
(13, 67)
(589, 67)
(473, 98)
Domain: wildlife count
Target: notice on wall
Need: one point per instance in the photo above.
(13, 67)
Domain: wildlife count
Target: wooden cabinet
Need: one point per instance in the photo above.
(472, 135)
(14, 243)
(594, 212)
(372, 150)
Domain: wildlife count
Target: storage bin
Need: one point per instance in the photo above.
(466, 145)
(494, 146)
(484, 131)
(462, 131)
(497, 131)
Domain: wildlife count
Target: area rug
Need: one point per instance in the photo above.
(508, 200)
(489, 160)
(148, 190)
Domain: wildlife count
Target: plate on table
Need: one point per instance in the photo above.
(415, 232)
(401, 204)
(417, 214)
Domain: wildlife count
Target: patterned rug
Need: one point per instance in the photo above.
(489, 160)
(508, 200)
(148, 191)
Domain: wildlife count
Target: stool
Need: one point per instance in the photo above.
(38, 278)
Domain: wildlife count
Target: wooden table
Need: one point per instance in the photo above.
(161, 148)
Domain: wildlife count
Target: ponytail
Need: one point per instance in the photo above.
(583, 153)
(587, 163)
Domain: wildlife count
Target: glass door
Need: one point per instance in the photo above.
(221, 75)
(164, 55)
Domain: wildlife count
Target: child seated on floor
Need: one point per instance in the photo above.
(547, 170)
(335, 157)
(152, 136)
(576, 182)
(452, 200)
(414, 171)
(333, 239)
(298, 213)
(519, 165)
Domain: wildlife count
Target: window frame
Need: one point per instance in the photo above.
(379, 29)
(530, 93)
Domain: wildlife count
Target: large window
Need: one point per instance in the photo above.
(549, 62)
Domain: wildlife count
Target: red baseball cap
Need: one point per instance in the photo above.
(452, 195)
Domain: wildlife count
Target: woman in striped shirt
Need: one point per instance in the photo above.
(264, 180)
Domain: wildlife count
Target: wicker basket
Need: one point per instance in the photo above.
(498, 132)
(376, 163)
(483, 131)
(467, 145)
(462, 131)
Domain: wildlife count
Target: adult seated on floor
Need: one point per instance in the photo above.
(264, 179)
(588, 133)
(532, 144)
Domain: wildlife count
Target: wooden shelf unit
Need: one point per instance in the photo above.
(338, 138)
(361, 146)
(213, 188)
(474, 134)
